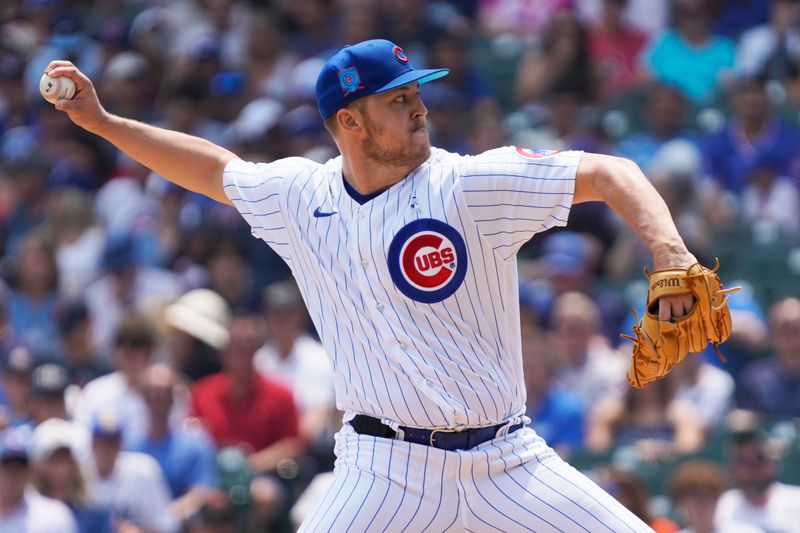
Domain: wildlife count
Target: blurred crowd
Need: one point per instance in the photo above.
(159, 372)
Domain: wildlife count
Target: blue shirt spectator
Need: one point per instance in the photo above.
(33, 322)
(772, 386)
(92, 519)
(558, 414)
(753, 132)
(737, 16)
(186, 455)
(665, 116)
(560, 418)
(186, 458)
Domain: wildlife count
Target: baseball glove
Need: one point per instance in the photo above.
(660, 345)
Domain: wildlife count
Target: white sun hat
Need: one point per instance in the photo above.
(52, 435)
(203, 314)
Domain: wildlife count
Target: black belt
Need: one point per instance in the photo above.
(444, 439)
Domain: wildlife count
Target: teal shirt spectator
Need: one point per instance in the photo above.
(696, 70)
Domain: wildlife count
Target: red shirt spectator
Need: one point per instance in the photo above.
(263, 416)
(614, 49)
(241, 407)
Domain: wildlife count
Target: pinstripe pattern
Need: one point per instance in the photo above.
(514, 483)
(453, 363)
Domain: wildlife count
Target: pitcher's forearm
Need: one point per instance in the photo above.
(191, 162)
(622, 186)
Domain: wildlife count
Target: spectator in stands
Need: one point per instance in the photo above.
(772, 386)
(689, 55)
(707, 388)
(518, 16)
(485, 128)
(22, 508)
(770, 198)
(772, 50)
(593, 368)
(451, 50)
(650, 420)
(557, 414)
(294, 358)
(231, 278)
(6, 338)
(569, 262)
(79, 356)
(57, 474)
(565, 125)
(26, 168)
(694, 488)
(629, 489)
(120, 391)
(560, 61)
(126, 285)
(732, 17)
(131, 484)
(269, 60)
(15, 110)
(646, 16)
(184, 455)
(446, 118)
(675, 170)
(614, 49)
(184, 102)
(17, 368)
(665, 110)
(758, 499)
(752, 130)
(217, 519)
(78, 241)
(127, 81)
(244, 409)
(32, 302)
(199, 323)
(49, 383)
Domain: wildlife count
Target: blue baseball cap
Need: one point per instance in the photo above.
(15, 443)
(369, 67)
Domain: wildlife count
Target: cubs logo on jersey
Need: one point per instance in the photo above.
(428, 260)
(535, 154)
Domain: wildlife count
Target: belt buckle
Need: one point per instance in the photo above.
(432, 438)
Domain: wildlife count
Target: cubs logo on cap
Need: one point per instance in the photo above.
(368, 67)
(427, 260)
(399, 54)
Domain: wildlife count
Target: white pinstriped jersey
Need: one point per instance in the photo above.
(414, 293)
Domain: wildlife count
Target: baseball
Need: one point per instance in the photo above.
(54, 89)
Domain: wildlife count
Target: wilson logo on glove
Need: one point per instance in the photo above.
(659, 345)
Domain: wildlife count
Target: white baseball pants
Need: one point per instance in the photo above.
(514, 483)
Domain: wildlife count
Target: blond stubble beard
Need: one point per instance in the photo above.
(403, 156)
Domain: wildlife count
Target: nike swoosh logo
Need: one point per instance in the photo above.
(319, 214)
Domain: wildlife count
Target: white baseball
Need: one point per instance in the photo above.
(55, 89)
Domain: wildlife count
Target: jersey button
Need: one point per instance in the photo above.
(380, 307)
(364, 263)
(403, 346)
